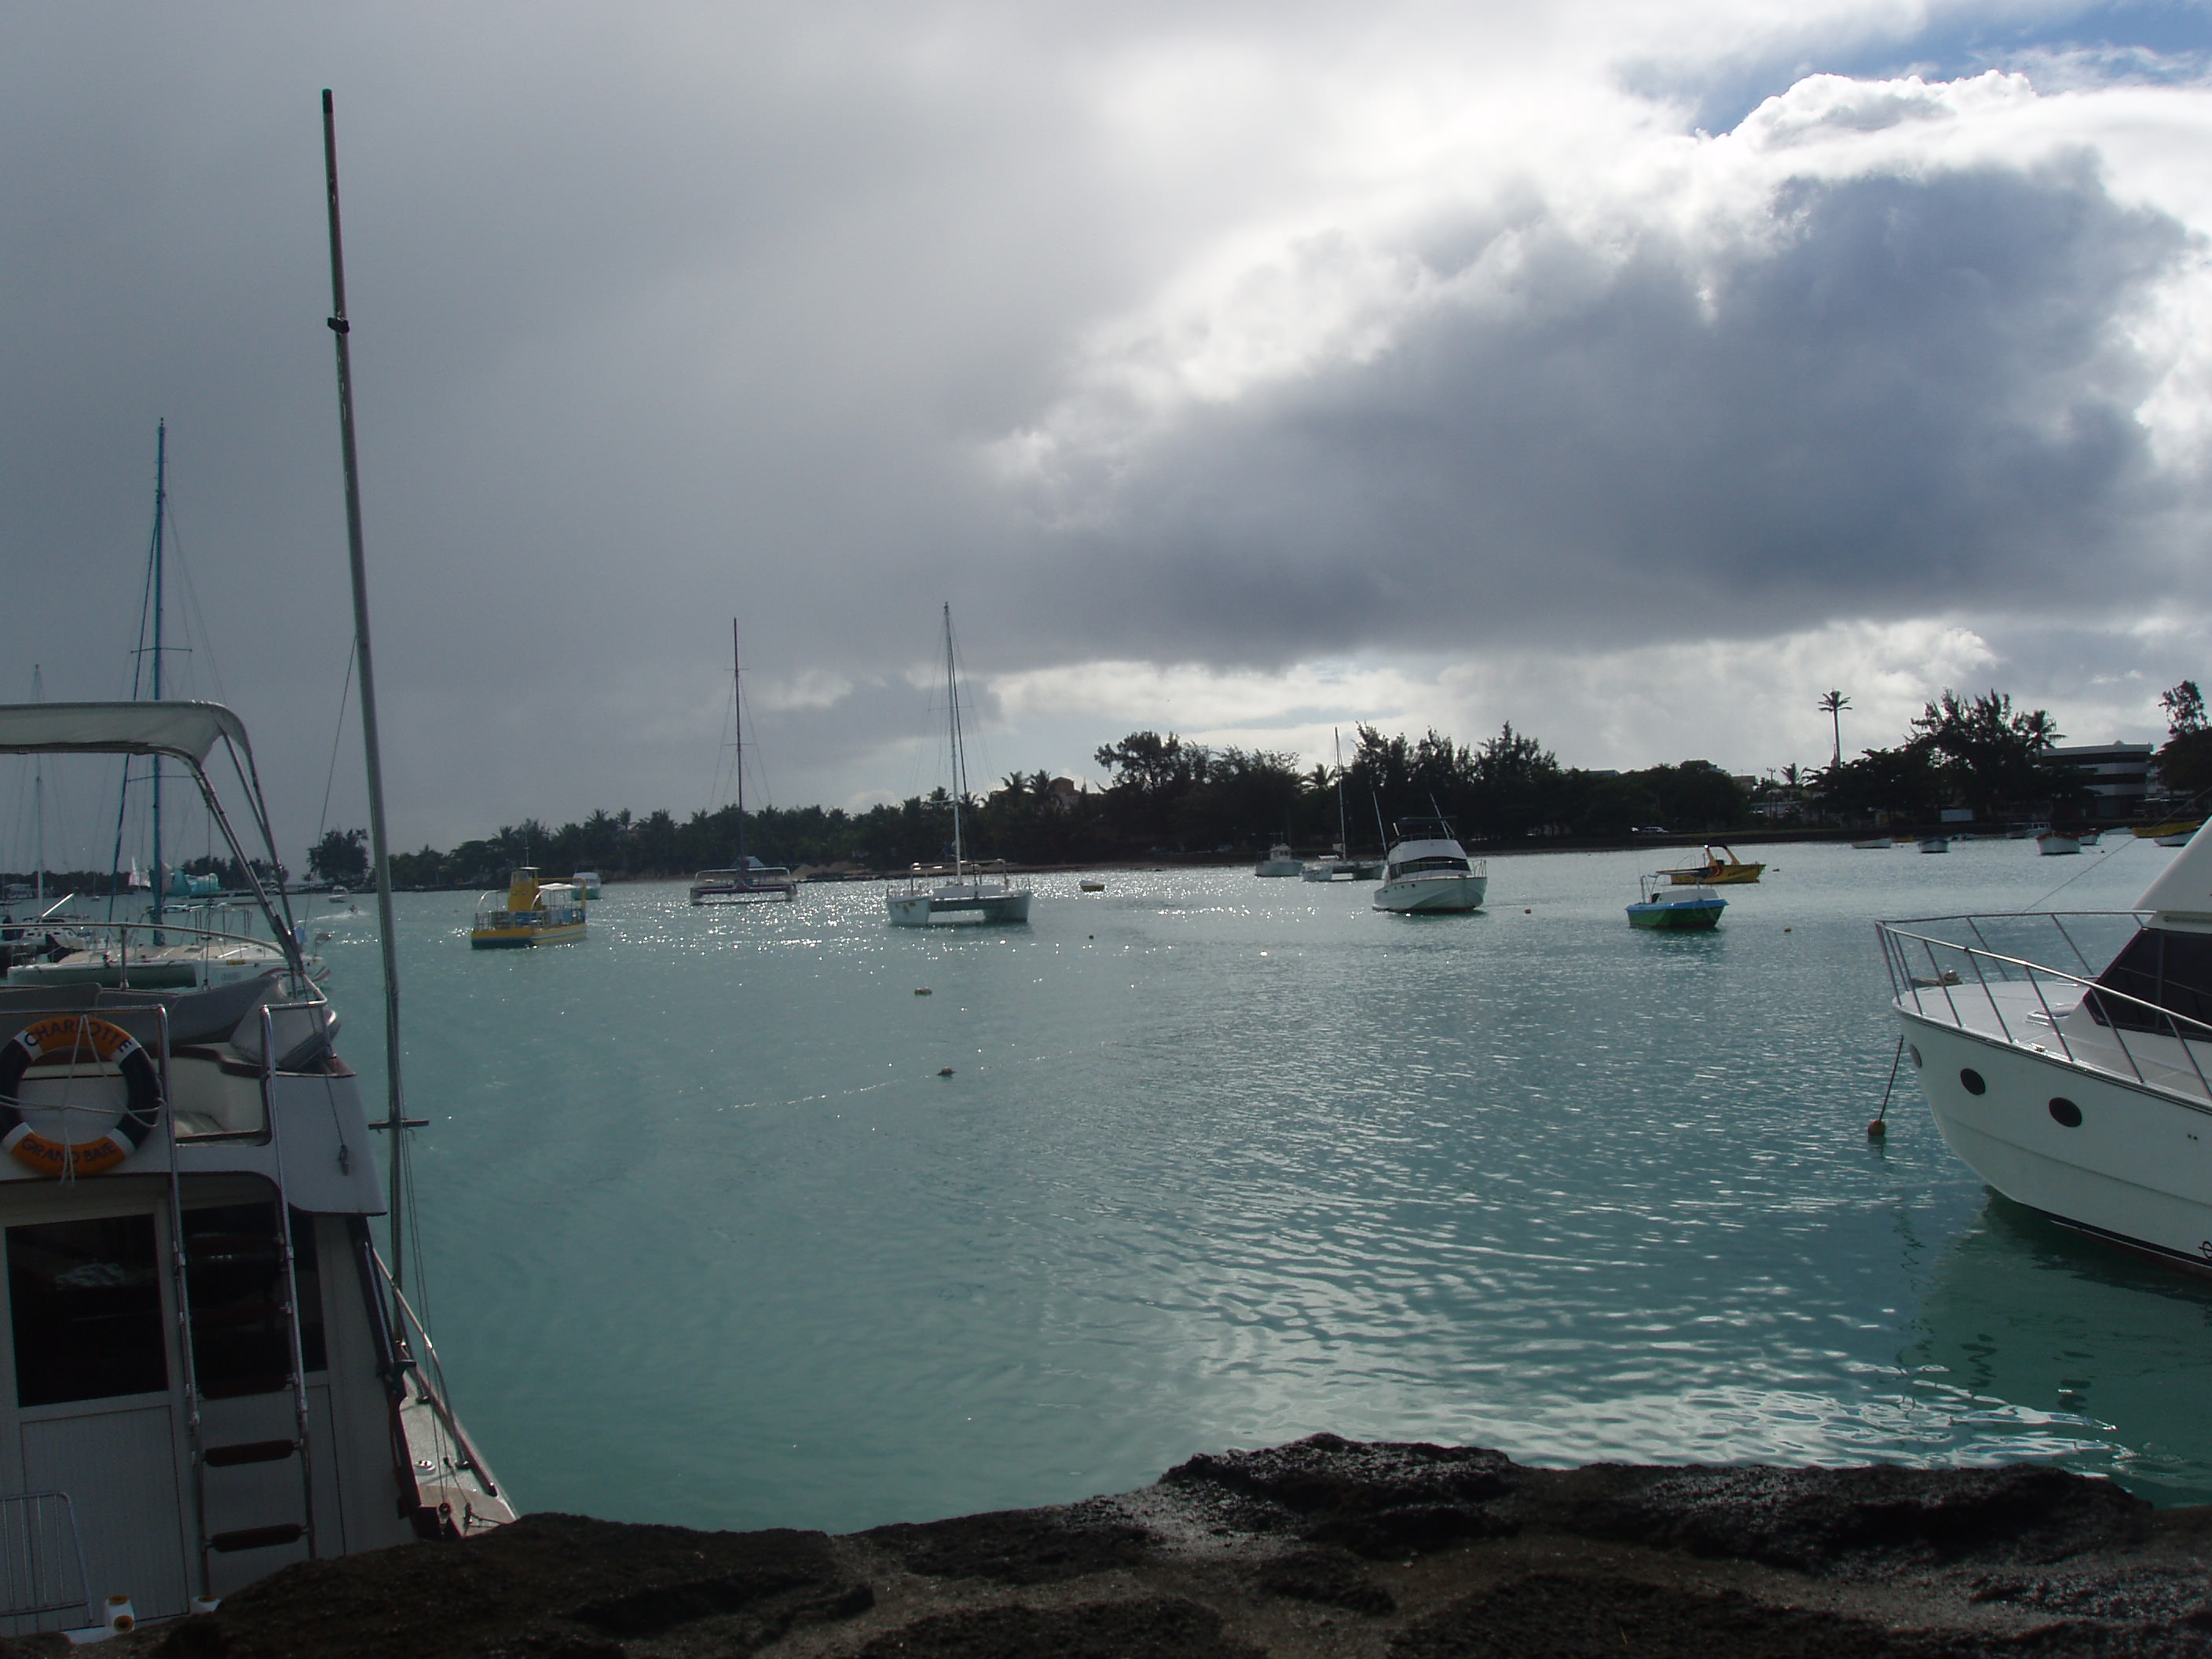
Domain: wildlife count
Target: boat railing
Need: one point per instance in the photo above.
(420, 1354)
(1941, 975)
(972, 869)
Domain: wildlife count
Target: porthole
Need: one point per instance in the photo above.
(2066, 1112)
(1972, 1079)
(1913, 1048)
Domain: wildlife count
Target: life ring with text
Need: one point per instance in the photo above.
(70, 1039)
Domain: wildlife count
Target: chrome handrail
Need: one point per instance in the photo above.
(1897, 942)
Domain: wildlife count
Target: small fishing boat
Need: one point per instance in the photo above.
(1875, 843)
(1280, 862)
(2052, 844)
(1428, 871)
(2088, 837)
(2168, 832)
(967, 891)
(1935, 843)
(1092, 886)
(587, 884)
(534, 913)
(1720, 868)
(1674, 909)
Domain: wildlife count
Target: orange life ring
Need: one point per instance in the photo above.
(68, 1039)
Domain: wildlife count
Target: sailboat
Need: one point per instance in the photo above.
(971, 891)
(190, 936)
(1343, 866)
(749, 880)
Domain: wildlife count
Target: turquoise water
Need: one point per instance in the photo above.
(1223, 1161)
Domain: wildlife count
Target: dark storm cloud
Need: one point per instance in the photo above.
(1923, 399)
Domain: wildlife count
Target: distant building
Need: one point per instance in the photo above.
(1063, 792)
(2119, 775)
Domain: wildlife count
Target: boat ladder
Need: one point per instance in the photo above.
(222, 1473)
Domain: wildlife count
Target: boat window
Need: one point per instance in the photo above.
(2169, 969)
(236, 1275)
(1412, 867)
(85, 1300)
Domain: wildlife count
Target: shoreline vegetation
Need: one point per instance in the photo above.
(1171, 801)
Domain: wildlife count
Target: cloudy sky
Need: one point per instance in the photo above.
(1633, 372)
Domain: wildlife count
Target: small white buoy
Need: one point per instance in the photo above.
(206, 1603)
(120, 1615)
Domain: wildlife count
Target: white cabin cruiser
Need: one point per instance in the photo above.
(1427, 871)
(2080, 1090)
(1280, 862)
(214, 1374)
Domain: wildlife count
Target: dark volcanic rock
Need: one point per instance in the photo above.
(1327, 1579)
(1824, 1520)
(1017, 1546)
(1380, 1498)
(1546, 1617)
(1159, 1627)
(555, 1586)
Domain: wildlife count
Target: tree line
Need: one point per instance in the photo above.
(1168, 797)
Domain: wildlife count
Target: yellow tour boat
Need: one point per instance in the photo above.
(1721, 868)
(551, 913)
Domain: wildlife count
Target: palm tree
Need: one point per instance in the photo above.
(1832, 704)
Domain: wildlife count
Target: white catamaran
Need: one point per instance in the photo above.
(969, 891)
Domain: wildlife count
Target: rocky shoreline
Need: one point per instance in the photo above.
(1322, 1547)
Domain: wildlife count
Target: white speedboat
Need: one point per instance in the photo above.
(2052, 844)
(215, 1376)
(1427, 871)
(1280, 862)
(966, 890)
(1935, 843)
(2065, 1057)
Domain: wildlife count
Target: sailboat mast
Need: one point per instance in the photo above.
(161, 500)
(395, 1115)
(39, 803)
(1343, 837)
(737, 723)
(959, 757)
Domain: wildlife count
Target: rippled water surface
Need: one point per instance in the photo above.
(1223, 1161)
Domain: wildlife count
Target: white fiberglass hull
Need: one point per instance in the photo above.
(953, 905)
(1426, 894)
(2134, 1165)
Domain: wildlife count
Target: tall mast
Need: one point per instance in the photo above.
(1343, 837)
(161, 500)
(737, 723)
(959, 755)
(395, 1112)
(39, 802)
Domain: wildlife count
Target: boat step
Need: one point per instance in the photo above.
(251, 1451)
(256, 1538)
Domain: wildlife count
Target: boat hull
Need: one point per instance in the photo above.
(2134, 1167)
(1279, 867)
(508, 939)
(1695, 918)
(1432, 895)
(2053, 845)
(947, 909)
(749, 895)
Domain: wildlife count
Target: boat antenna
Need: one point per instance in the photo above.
(395, 1113)
(160, 501)
(737, 725)
(39, 801)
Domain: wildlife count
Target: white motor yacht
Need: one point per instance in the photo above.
(1280, 862)
(2065, 1056)
(1427, 871)
(215, 1376)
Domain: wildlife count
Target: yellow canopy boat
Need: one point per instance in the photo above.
(1721, 868)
